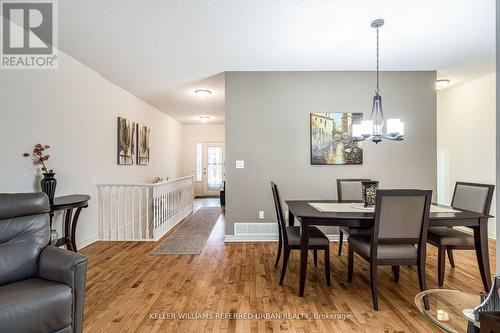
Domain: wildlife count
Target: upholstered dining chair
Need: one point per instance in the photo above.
(466, 196)
(401, 222)
(289, 239)
(350, 190)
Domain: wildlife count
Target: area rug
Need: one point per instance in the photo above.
(192, 235)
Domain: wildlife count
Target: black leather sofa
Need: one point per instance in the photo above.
(42, 287)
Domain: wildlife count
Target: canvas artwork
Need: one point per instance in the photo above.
(142, 144)
(126, 141)
(331, 139)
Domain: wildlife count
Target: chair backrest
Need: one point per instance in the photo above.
(24, 232)
(401, 217)
(350, 190)
(473, 197)
(279, 212)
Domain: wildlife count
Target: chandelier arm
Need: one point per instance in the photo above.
(394, 138)
(378, 138)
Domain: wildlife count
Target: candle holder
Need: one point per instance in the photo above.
(369, 189)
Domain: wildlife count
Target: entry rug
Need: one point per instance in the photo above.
(192, 235)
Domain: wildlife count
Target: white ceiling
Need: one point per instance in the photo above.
(163, 50)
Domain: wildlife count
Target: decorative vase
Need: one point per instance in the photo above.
(369, 192)
(48, 184)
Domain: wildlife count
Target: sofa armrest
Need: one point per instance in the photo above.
(70, 268)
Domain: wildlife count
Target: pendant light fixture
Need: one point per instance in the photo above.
(372, 129)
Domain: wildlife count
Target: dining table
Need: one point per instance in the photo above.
(310, 212)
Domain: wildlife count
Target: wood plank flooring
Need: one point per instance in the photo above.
(129, 290)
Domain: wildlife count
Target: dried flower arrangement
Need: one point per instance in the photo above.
(40, 157)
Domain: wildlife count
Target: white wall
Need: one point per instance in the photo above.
(267, 126)
(193, 134)
(466, 137)
(74, 110)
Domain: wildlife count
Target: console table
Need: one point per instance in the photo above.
(67, 204)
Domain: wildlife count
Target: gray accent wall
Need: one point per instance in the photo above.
(267, 126)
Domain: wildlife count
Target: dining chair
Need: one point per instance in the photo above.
(289, 239)
(466, 196)
(401, 221)
(350, 190)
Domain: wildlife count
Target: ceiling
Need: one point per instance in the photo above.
(162, 51)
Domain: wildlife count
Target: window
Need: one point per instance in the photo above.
(199, 166)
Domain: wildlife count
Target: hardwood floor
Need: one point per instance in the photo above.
(129, 290)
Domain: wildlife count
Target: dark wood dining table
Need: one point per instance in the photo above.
(307, 215)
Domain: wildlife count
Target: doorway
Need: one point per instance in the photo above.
(213, 168)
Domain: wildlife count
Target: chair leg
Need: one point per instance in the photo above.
(280, 245)
(441, 265)
(395, 270)
(286, 255)
(450, 257)
(421, 274)
(373, 283)
(315, 255)
(341, 238)
(327, 265)
(421, 279)
(350, 263)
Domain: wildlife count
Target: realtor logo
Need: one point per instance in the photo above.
(29, 34)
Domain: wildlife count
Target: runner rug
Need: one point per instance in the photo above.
(192, 235)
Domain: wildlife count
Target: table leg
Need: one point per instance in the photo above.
(483, 259)
(304, 244)
(291, 219)
(67, 226)
(51, 217)
(471, 328)
(73, 229)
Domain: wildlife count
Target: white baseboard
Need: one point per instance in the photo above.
(251, 238)
(266, 238)
(491, 235)
(87, 241)
(268, 232)
(336, 238)
(259, 232)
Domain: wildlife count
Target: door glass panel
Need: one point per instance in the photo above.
(199, 162)
(215, 166)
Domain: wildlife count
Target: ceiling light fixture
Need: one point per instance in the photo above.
(204, 118)
(442, 84)
(372, 129)
(203, 93)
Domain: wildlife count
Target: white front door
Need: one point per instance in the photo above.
(213, 168)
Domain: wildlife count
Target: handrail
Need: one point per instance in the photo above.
(143, 211)
(146, 184)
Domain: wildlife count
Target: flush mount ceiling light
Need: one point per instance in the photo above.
(203, 118)
(442, 84)
(372, 129)
(203, 93)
